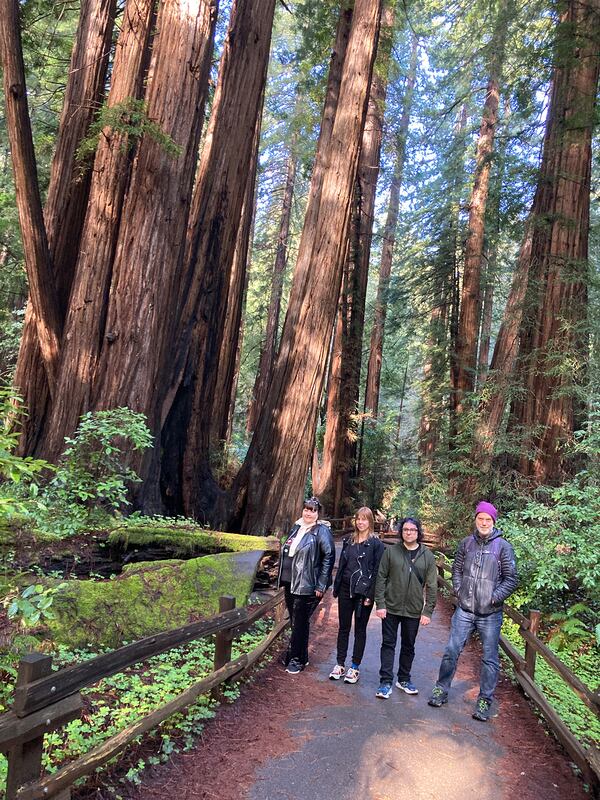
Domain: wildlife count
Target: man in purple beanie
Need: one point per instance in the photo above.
(484, 575)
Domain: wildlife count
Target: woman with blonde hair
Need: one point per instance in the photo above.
(354, 587)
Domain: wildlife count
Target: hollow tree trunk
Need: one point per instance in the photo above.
(66, 202)
(466, 344)
(371, 404)
(553, 343)
(271, 482)
(84, 325)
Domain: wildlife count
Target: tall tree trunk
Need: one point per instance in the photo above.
(271, 482)
(44, 299)
(86, 316)
(210, 248)
(468, 324)
(269, 348)
(371, 404)
(146, 271)
(66, 201)
(553, 343)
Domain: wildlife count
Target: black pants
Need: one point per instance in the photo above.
(349, 607)
(300, 608)
(409, 628)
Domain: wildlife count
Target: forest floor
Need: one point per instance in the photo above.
(304, 737)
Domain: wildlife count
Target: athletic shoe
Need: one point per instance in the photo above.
(352, 675)
(407, 687)
(483, 710)
(294, 667)
(384, 691)
(337, 672)
(438, 697)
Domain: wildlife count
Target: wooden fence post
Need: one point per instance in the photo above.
(25, 759)
(530, 654)
(223, 638)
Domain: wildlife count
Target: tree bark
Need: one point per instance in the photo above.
(86, 317)
(468, 324)
(44, 300)
(271, 482)
(371, 404)
(66, 202)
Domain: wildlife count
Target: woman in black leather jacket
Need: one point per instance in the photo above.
(305, 568)
(354, 588)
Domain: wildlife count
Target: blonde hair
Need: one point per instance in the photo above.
(366, 512)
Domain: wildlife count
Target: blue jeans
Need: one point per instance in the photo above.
(488, 628)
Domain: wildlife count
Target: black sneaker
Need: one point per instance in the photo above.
(438, 697)
(483, 710)
(294, 667)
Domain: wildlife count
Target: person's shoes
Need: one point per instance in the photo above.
(385, 691)
(438, 697)
(294, 667)
(352, 675)
(407, 687)
(337, 672)
(483, 710)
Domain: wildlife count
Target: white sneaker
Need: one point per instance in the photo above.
(337, 672)
(352, 675)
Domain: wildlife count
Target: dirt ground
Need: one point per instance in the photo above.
(253, 731)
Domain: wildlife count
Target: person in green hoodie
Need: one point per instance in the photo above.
(405, 596)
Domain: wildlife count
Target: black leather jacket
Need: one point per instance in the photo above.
(363, 580)
(484, 573)
(312, 564)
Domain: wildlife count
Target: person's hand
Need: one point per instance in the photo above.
(318, 593)
(381, 613)
(367, 601)
(425, 620)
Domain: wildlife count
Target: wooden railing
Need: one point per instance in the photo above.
(46, 700)
(587, 760)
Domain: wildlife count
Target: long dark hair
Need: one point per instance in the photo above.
(417, 525)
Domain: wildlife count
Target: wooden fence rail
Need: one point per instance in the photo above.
(587, 760)
(46, 700)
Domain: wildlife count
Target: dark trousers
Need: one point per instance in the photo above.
(409, 627)
(300, 609)
(349, 607)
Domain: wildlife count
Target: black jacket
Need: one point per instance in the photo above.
(484, 573)
(312, 564)
(362, 581)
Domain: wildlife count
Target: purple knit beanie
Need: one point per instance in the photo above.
(487, 508)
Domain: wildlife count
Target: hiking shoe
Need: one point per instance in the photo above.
(352, 675)
(407, 687)
(294, 667)
(385, 691)
(337, 672)
(438, 697)
(483, 710)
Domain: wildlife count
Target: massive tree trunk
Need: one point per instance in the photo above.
(466, 345)
(553, 342)
(84, 326)
(272, 480)
(269, 348)
(371, 404)
(66, 202)
(211, 241)
(339, 449)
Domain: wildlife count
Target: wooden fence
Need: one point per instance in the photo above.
(46, 700)
(587, 760)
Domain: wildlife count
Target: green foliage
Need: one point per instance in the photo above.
(32, 605)
(130, 120)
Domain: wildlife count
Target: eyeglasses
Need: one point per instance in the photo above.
(410, 530)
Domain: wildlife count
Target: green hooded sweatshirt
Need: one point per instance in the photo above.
(399, 586)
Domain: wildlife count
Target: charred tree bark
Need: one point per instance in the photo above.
(271, 482)
(84, 326)
(468, 324)
(553, 339)
(66, 202)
